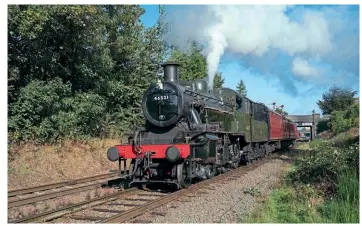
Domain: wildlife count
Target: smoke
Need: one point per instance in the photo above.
(248, 30)
(216, 50)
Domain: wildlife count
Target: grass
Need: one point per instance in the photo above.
(344, 207)
(304, 204)
(31, 165)
(288, 205)
(302, 198)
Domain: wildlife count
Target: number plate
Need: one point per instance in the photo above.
(161, 97)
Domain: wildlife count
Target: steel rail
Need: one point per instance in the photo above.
(38, 198)
(22, 191)
(139, 209)
(134, 212)
(53, 214)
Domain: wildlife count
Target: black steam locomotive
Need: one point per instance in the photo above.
(192, 132)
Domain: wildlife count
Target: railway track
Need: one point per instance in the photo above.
(25, 196)
(56, 213)
(38, 198)
(123, 206)
(134, 212)
(22, 191)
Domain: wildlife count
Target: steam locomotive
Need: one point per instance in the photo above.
(192, 132)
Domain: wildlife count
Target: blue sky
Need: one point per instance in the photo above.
(285, 74)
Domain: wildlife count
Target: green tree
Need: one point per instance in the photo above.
(336, 99)
(64, 59)
(193, 64)
(322, 126)
(280, 111)
(137, 53)
(341, 121)
(218, 80)
(241, 89)
(63, 41)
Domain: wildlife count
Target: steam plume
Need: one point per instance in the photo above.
(217, 47)
(248, 30)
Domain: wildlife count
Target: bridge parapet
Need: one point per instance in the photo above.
(306, 120)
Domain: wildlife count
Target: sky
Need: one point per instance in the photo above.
(290, 54)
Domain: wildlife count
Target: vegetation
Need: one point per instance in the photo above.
(344, 110)
(76, 71)
(345, 205)
(288, 205)
(193, 65)
(281, 111)
(322, 126)
(336, 99)
(79, 71)
(343, 120)
(323, 185)
(241, 89)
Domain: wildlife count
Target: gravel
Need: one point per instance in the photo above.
(228, 202)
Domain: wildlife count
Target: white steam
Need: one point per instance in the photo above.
(216, 50)
(248, 30)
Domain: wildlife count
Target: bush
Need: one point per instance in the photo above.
(322, 126)
(46, 111)
(304, 204)
(341, 121)
(344, 140)
(30, 117)
(326, 162)
(314, 144)
(353, 115)
(81, 117)
(288, 205)
(343, 208)
(338, 122)
(331, 169)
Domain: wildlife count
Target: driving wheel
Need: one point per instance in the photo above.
(183, 180)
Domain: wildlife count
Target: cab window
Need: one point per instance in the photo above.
(238, 104)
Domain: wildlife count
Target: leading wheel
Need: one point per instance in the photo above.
(183, 180)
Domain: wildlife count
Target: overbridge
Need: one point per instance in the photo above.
(308, 121)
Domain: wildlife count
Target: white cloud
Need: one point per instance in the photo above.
(303, 68)
(249, 30)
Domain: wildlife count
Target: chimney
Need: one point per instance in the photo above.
(170, 73)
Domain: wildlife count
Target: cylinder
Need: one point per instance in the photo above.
(170, 72)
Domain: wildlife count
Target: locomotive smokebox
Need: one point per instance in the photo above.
(170, 71)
